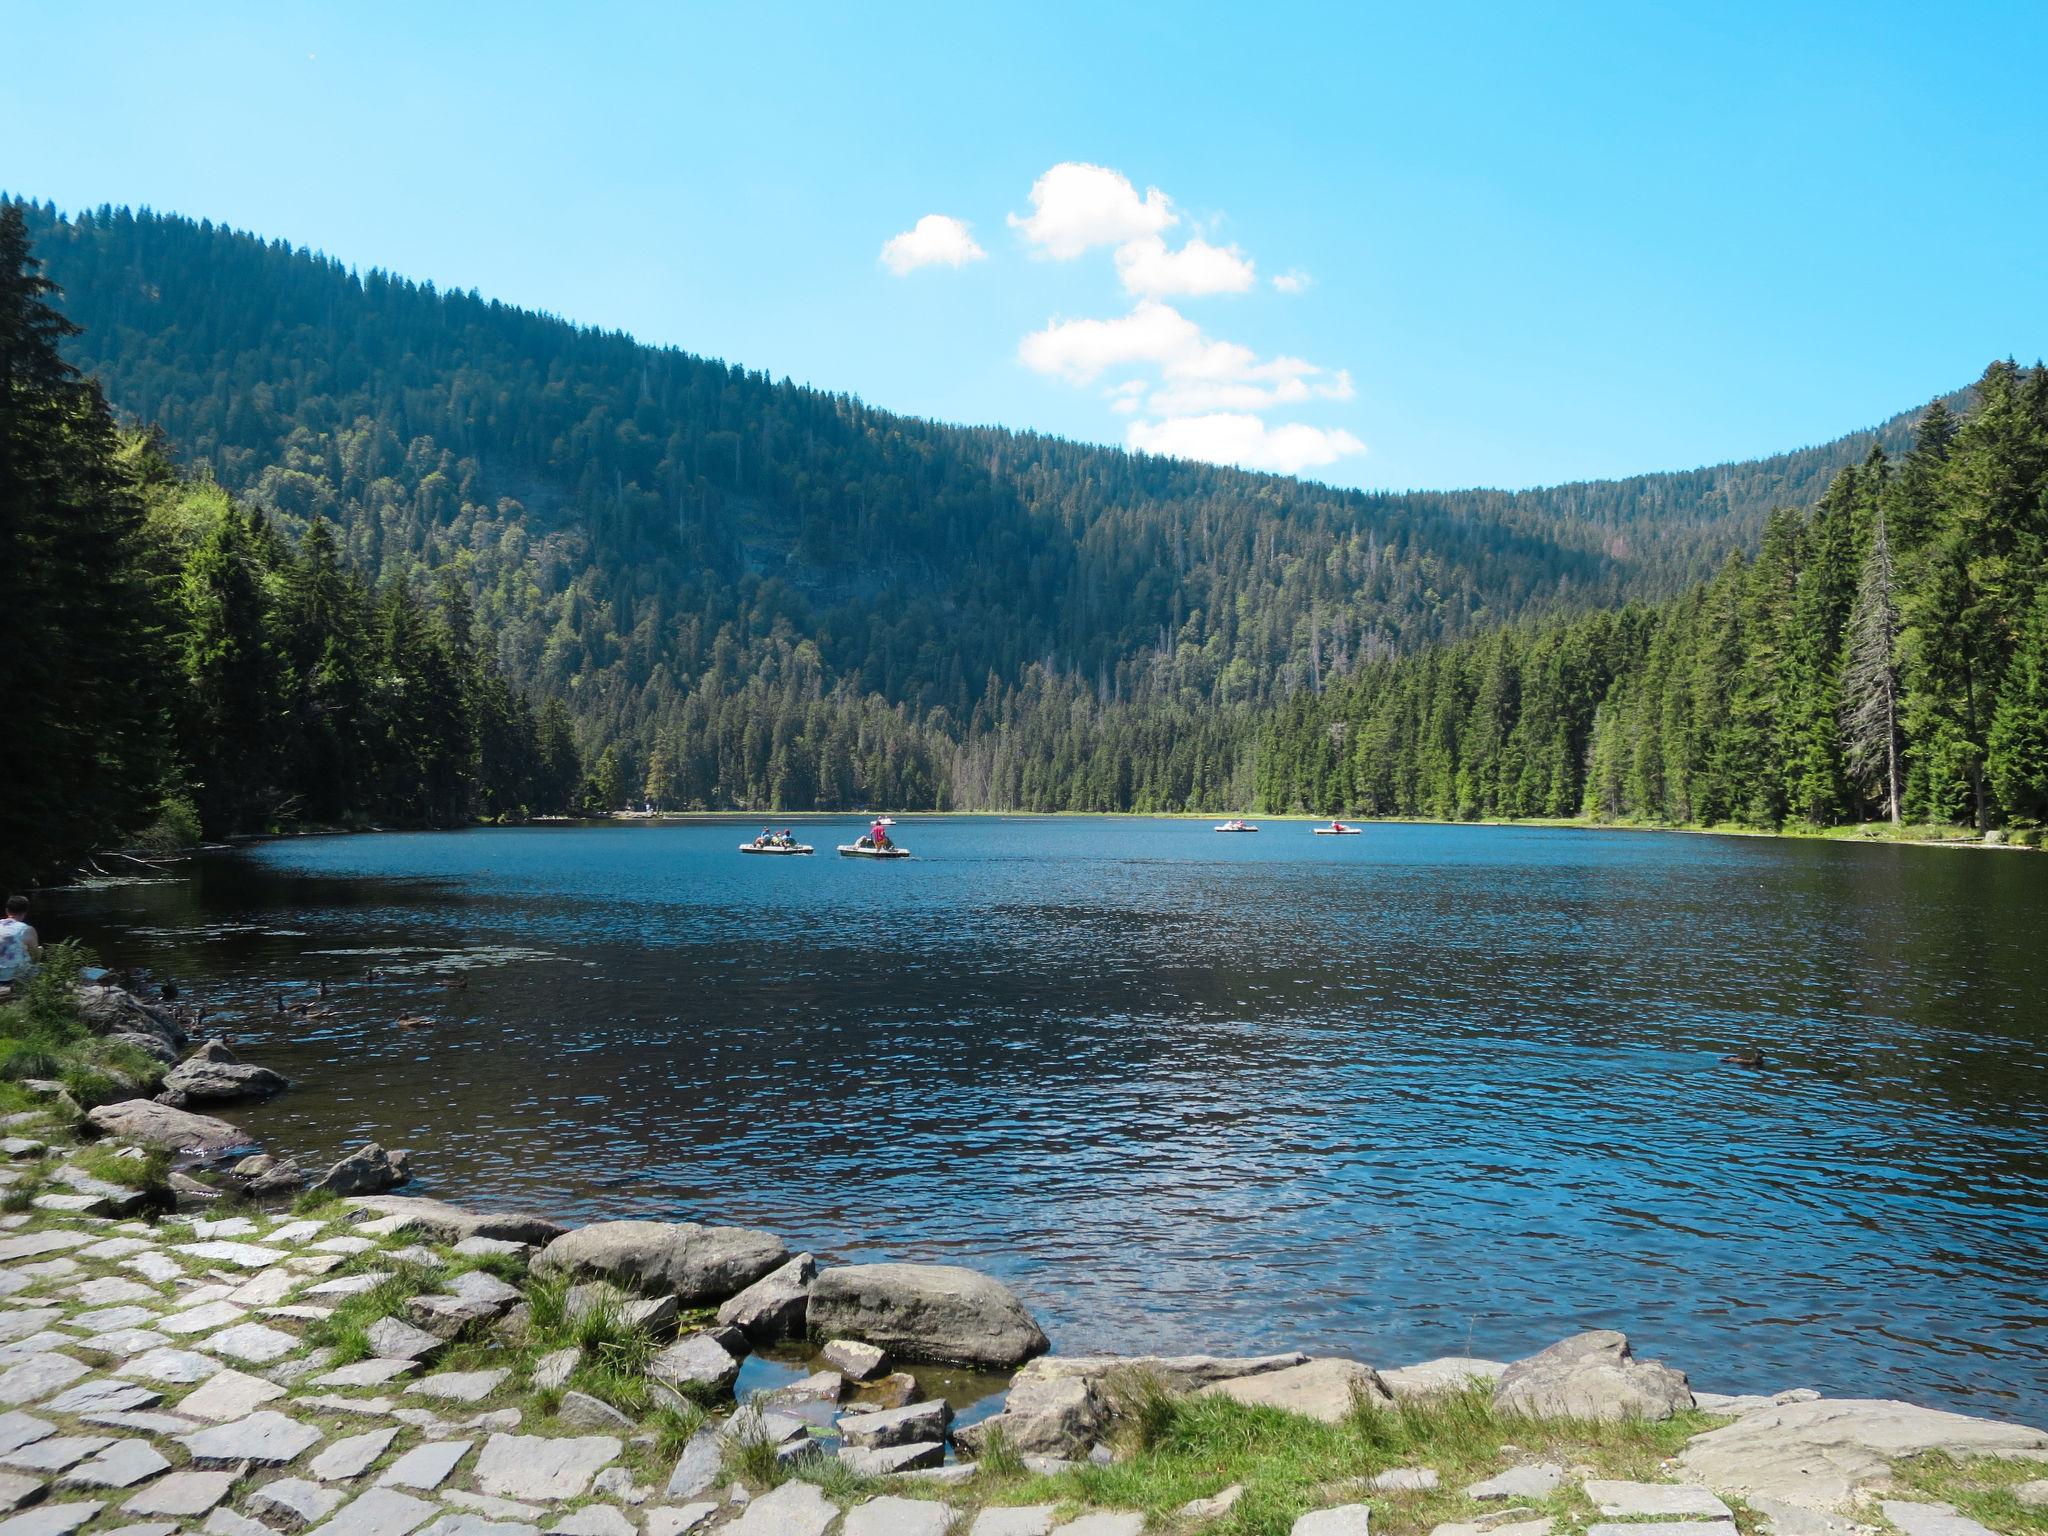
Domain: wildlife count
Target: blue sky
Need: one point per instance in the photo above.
(1533, 243)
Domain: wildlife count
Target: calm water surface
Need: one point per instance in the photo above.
(1423, 1091)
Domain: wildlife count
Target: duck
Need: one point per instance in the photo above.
(168, 991)
(415, 1021)
(322, 989)
(277, 1004)
(1747, 1056)
(456, 983)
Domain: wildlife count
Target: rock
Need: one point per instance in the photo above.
(121, 1465)
(794, 1509)
(1215, 1507)
(593, 1520)
(369, 1170)
(391, 1339)
(173, 1367)
(675, 1521)
(653, 1315)
(452, 1224)
(898, 1426)
(755, 1424)
(1534, 1480)
(482, 1286)
(1055, 1416)
(852, 1359)
(617, 1483)
(16, 1490)
(541, 1469)
(936, 1312)
(38, 1376)
(698, 1467)
(426, 1466)
(478, 1525)
(580, 1410)
(366, 1373)
(265, 1175)
(818, 1387)
(172, 1130)
(1817, 1454)
(892, 1516)
(265, 1438)
(1177, 1373)
(103, 1396)
(1532, 1524)
(892, 1391)
(1343, 1520)
(890, 1460)
(1106, 1523)
(1447, 1373)
(1405, 1480)
(241, 1255)
(182, 1493)
(695, 1360)
(2034, 1494)
(1015, 1520)
(200, 1079)
(252, 1342)
(228, 1395)
(551, 1372)
(696, 1264)
(774, 1306)
(118, 1199)
(458, 1386)
(1592, 1376)
(52, 1519)
(1322, 1389)
(1930, 1519)
(292, 1503)
(1663, 1499)
(351, 1458)
(190, 1194)
(1662, 1528)
(379, 1512)
(1782, 1519)
(446, 1316)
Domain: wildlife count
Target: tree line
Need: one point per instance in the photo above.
(1883, 656)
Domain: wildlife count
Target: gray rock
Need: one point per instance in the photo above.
(695, 1360)
(200, 1081)
(173, 1367)
(479, 1525)
(425, 1466)
(1106, 1523)
(1405, 1480)
(1781, 1519)
(697, 1264)
(617, 1483)
(36, 1377)
(57, 1452)
(488, 1247)
(776, 1305)
(936, 1312)
(225, 1522)
(17, 1489)
(698, 1467)
(121, 1465)
(104, 1396)
(551, 1372)
(818, 1387)
(1662, 1528)
(490, 1506)
(51, 1519)
(1818, 1454)
(182, 1493)
(292, 1503)
(352, 1457)
(204, 1317)
(794, 1509)
(1592, 1375)
(150, 1124)
(264, 1175)
(241, 1255)
(1661, 1499)
(543, 1470)
(374, 1372)
(369, 1170)
(118, 1199)
(852, 1359)
(1215, 1507)
(480, 1285)
(229, 1395)
(2032, 1494)
(1044, 1416)
(1447, 1373)
(1531, 1524)
(580, 1410)
(1533, 1480)
(18, 1429)
(253, 1342)
(391, 1339)
(1327, 1390)
(266, 1438)
(677, 1519)
(458, 1386)
(890, 1460)
(1343, 1520)
(1930, 1519)
(594, 1520)
(1015, 1520)
(1177, 1373)
(379, 1512)
(452, 1224)
(898, 1426)
(446, 1316)
(27, 1245)
(892, 1516)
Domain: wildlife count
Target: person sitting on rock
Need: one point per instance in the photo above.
(19, 945)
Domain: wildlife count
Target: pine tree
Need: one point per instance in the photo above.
(2018, 759)
(1872, 743)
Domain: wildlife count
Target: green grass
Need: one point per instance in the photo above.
(148, 1171)
(1178, 1449)
(346, 1331)
(1981, 1488)
(317, 1202)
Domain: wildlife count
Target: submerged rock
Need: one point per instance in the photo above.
(213, 1075)
(452, 1224)
(696, 1264)
(1592, 1375)
(936, 1312)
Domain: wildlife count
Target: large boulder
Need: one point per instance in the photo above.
(696, 1264)
(1818, 1454)
(776, 1305)
(1322, 1389)
(173, 1130)
(1177, 1373)
(369, 1170)
(1446, 1373)
(1592, 1376)
(212, 1074)
(452, 1224)
(1044, 1416)
(936, 1312)
(125, 1019)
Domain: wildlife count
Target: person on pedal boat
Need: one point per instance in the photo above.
(879, 835)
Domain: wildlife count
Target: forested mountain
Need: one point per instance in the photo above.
(756, 593)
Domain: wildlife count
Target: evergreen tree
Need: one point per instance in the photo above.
(1870, 715)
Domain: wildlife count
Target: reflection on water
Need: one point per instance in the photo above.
(1425, 1091)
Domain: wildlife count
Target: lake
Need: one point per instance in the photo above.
(1429, 1090)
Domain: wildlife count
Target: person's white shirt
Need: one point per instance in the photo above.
(18, 946)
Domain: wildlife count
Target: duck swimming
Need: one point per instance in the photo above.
(1748, 1056)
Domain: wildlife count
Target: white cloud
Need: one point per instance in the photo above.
(1293, 280)
(1232, 437)
(936, 240)
(1076, 206)
(1159, 336)
(1293, 383)
(1148, 267)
